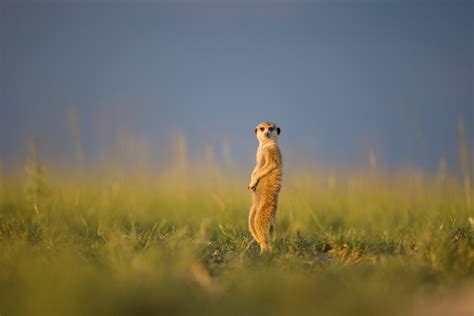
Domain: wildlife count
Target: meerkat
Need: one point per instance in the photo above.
(265, 184)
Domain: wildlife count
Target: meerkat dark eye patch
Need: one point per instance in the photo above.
(262, 129)
(278, 130)
(271, 129)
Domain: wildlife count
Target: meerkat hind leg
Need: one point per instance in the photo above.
(271, 233)
(263, 223)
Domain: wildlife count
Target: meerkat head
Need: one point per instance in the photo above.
(267, 131)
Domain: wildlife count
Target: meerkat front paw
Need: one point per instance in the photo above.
(252, 186)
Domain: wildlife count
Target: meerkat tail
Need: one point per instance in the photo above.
(253, 213)
(263, 247)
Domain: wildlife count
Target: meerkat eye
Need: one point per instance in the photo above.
(262, 129)
(271, 129)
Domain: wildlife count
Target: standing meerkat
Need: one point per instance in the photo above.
(265, 183)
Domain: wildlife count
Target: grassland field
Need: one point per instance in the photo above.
(358, 242)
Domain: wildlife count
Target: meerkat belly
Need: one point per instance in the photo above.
(270, 184)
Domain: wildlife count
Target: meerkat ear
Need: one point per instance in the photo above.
(278, 130)
(256, 130)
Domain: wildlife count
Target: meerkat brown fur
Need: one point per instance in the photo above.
(265, 184)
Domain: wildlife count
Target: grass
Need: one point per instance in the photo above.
(351, 243)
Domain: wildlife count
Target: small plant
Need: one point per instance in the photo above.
(37, 189)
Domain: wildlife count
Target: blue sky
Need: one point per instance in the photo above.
(338, 78)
